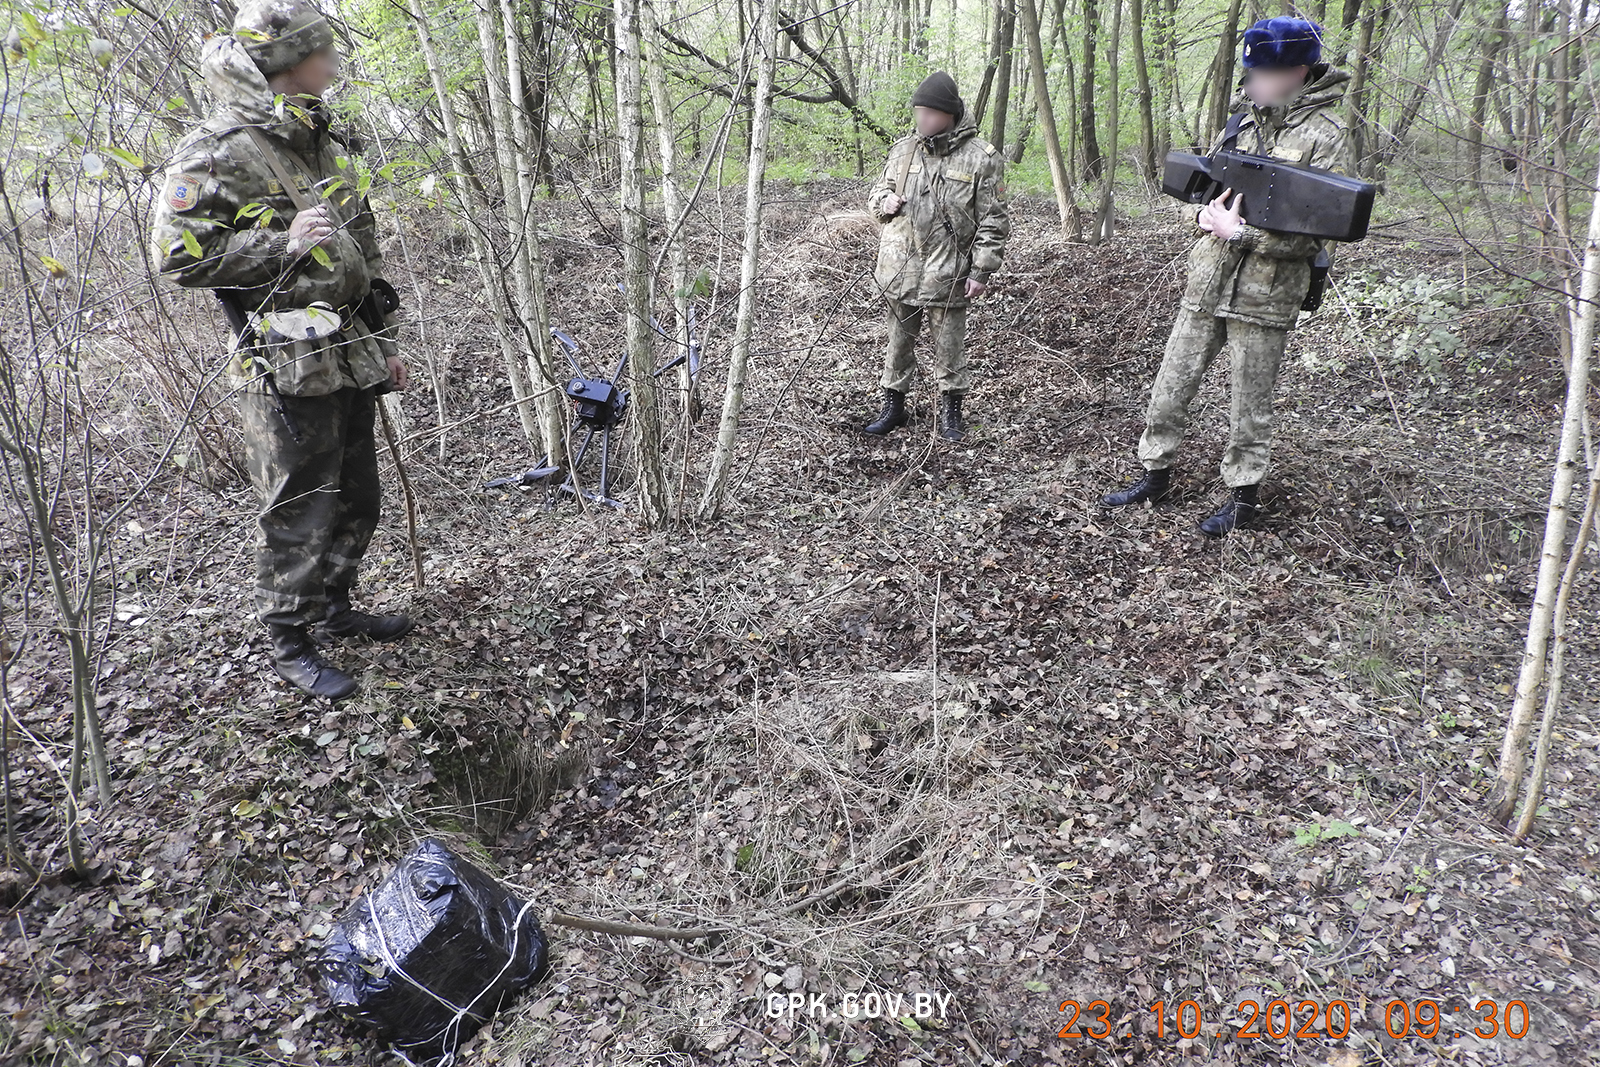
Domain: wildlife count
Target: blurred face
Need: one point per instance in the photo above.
(312, 76)
(1272, 86)
(931, 121)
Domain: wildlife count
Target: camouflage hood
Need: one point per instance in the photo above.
(240, 95)
(950, 141)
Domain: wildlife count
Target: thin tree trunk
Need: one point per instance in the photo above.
(1089, 138)
(1071, 219)
(1557, 178)
(503, 86)
(1363, 121)
(1494, 41)
(1419, 92)
(1349, 16)
(749, 267)
(980, 102)
(643, 410)
(1002, 93)
(1513, 751)
(536, 93)
(474, 207)
(1171, 99)
(1558, 660)
(1141, 70)
(1222, 74)
(677, 235)
(1105, 214)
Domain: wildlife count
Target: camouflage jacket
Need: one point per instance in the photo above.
(1262, 276)
(221, 199)
(954, 224)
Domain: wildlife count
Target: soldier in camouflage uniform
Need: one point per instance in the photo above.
(311, 366)
(1246, 285)
(941, 200)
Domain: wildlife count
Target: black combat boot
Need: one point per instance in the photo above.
(950, 425)
(893, 416)
(1152, 485)
(298, 662)
(345, 621)
(1240, 510)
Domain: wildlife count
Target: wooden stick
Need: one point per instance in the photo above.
(875, 511)
(621, 929)
(692, 933)
(405, 486)
(847, 882)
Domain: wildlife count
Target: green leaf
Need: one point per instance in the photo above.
(700, 288)
(333, 187)
(191, 244)
(249, 211)
(321, 256)
(267, 217)
(1036, 987)
(123, 156)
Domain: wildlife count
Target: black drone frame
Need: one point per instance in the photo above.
(598, 407)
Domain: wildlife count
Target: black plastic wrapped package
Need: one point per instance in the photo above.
(427, 957)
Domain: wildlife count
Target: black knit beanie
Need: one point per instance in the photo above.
(938, 91)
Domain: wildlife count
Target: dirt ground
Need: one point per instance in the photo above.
(942, 748)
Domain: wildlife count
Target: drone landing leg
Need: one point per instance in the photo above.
(571, 485)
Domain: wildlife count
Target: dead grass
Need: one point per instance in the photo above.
(910, 720)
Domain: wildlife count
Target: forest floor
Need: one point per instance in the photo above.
(940, 743)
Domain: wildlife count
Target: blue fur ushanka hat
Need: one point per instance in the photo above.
(1282, 42)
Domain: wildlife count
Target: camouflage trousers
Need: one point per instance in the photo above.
(949, 329)
(1255, 353)
(319, 498)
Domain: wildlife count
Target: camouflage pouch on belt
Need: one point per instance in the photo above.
(298, 345)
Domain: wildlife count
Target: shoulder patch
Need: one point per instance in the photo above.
(988, 148)
(183, 190)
